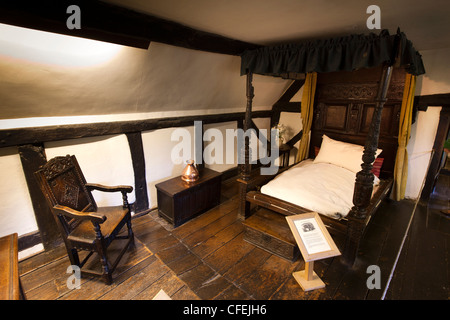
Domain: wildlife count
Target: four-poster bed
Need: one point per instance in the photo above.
(356, 85)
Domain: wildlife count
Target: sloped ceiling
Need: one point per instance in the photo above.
(266, 22)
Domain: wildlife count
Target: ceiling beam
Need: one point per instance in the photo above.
(107, 22)
(425, 101)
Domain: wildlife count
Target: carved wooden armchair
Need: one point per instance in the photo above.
(83, 225)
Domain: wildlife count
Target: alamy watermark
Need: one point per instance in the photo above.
(74, 20)
(234, 141)
(74, 280)
(374, 20)
(374, 280)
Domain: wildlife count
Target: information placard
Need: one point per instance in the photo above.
(312, 236)
(314, 243)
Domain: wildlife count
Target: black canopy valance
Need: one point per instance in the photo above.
(336, 54)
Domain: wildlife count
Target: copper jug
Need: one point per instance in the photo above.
(190, 173)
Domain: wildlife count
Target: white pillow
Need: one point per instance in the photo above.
(342, 154)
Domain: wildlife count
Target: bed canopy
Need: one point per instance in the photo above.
(348, 53)
(336, 54)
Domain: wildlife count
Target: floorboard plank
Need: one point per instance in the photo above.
(95, 288)
(185, 293)
(202, 234)
(233, 293)
(184, 264)
(227, 256)
(40, 277)
(206, 218)
(204, 281)
(249, 264)
(218, 240)
(132, 286)
(169, 283)
(270, 276)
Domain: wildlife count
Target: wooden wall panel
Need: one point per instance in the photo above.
(336, 117)
(344, 107)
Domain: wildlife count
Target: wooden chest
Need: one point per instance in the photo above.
(270, 231)
(179, 201)
(10, 288)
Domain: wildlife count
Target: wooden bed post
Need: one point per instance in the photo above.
(364, 178)
(246, 167)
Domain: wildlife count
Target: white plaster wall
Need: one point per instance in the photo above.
(220, 151)
(50, 75)
(105, 160)
(16, 213)
(293, 123)
(166, 152)
(420, 145)
(423, 131)
(262, 123)
(436, 80)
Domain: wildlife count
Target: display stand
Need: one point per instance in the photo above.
(315, 243)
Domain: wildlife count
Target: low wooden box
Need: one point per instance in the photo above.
(179, 201)
(10, 288)
(270, 231)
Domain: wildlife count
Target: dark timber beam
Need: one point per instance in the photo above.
(422, 102)
(290, 92)
(140, 182)
(107, 22)
(19, 136)
(32, 157)
(295, 139)
(285, 104)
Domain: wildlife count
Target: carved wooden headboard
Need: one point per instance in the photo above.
(343, 110)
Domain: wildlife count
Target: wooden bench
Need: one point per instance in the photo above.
(10, 287)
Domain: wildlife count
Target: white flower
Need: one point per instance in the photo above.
(281, 130)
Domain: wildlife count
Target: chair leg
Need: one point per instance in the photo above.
(106, 271)
(73, 256)
(101, 250)
(107, 268)
(130, 233)
(107, 278)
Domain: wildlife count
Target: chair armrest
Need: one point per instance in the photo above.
(123, 189)
(100, 187)
(79, 215)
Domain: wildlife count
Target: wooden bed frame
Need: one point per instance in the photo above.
(355, 107)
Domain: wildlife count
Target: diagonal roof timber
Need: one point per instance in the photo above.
(111, 23)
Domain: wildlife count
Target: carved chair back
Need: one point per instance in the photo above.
(63, 183)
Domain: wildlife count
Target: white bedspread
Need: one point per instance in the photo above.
(320, 187)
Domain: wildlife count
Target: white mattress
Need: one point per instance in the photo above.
(320, 187)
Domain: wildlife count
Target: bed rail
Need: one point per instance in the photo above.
(274, 204)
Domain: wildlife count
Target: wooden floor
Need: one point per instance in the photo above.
(423, 269)
(207, 258)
